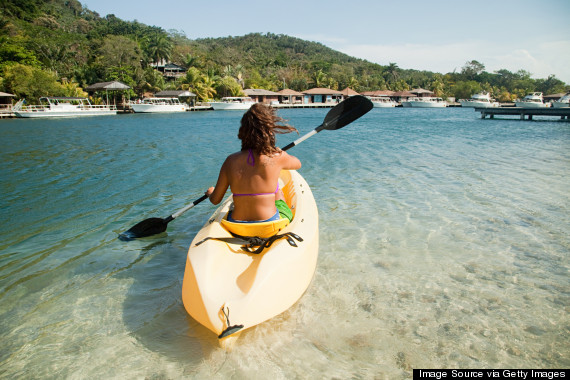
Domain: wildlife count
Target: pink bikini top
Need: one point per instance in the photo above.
(251, 161)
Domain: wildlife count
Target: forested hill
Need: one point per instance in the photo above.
(58, 47)
(269, 60)
(271, 49)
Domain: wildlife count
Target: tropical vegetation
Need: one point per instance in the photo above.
(59, 47)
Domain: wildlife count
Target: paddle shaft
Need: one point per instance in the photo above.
(301, 139)
(183, 210)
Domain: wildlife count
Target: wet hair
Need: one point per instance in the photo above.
(258, 128)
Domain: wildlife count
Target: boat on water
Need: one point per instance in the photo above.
(382, 101)
(52, 106)
(427, 102)
(532, 100)
(159, 105)
(480, 100)
(228, 289)
(233, 103)
(563, 102)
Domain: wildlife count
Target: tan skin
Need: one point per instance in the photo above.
(242, 178)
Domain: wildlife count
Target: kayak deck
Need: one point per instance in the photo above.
(225, 286)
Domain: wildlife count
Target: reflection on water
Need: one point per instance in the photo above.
(444, 243)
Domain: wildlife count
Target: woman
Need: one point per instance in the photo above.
(252, 174)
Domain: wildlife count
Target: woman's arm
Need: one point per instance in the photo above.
(216, 194)
(289, 162)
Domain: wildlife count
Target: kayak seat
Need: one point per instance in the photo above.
(261, 229)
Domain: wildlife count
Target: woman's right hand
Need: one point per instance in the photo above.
(209, 191)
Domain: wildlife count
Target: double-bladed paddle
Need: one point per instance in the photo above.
(339, 116)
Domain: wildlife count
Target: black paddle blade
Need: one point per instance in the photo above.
(147, 227)
(346, 112)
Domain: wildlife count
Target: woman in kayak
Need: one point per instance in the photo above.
(252, 174)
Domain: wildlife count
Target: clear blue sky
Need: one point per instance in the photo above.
(436, 35)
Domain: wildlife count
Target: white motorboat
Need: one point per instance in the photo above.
(532, 100)
(428, 102)
(233, 103)
(480, 100)
(382, 102)
(159, 105)
(563, 102)
(62, 107)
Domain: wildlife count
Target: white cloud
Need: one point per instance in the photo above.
(440, 58)
(541, 60)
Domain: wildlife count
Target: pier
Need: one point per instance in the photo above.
(6, 111)
(564, 113)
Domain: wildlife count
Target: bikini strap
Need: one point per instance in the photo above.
(250, 158)
(256, 194)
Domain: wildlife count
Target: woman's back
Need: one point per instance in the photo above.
(253, 173)
(256, 187)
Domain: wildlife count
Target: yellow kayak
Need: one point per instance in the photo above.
(228, 288)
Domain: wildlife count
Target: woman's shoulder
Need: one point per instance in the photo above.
(285, 160)
(274, 156)
(232, 159)
(235, 156)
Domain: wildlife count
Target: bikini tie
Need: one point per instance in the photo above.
(250, 158)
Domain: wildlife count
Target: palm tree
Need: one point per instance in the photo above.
(239, 70)
(437, 87)
(158, 47)
(190, 60)
(200, 84)
(228, 71)
(354, 84)
(235, 72)
(208, 85)
(192, 80)
(392, 71)
(228, 86)
(319, 78)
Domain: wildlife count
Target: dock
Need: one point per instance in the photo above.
(564, 113)
(6, 111)
(305, 105)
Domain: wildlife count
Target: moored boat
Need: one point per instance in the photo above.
(382, 102)
(52, 106)
(480, 100)
(233, 103)
(228, 289)
(159, 105)
(428, 102)
(563, 102)
(532, 100)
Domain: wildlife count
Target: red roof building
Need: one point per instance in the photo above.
(322, 95)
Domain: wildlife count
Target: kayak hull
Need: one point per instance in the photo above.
(226, 286)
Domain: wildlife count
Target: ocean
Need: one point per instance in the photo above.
(444, 243)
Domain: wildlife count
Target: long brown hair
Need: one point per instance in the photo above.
(258, 127)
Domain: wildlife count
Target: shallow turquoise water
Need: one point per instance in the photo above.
(444, 243)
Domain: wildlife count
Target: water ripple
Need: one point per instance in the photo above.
(444, 243)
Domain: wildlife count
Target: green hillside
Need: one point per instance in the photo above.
(59, 47)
